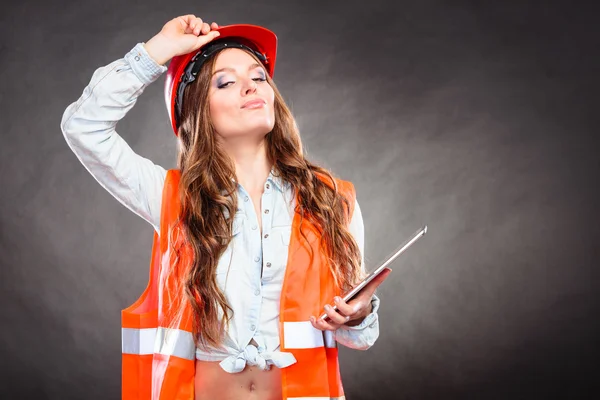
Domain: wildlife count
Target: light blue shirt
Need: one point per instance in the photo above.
(250, 272)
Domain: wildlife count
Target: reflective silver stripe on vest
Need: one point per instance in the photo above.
(302, 335)
(175, 342)
(138, 341)
(171, 342)
(329, 338)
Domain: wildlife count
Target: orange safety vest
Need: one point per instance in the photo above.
(159, 359)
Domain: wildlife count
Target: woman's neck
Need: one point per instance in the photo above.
(252, 166)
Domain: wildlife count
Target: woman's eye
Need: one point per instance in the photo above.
(229, 83)
(224, 85)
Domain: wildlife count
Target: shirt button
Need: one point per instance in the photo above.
(137, 58)
(268, 186)
(268, 265)
(252, 327)
(257, 292)
(266, 235)
(266, 211)
(246, 198)
(254, 227)
(257, 259)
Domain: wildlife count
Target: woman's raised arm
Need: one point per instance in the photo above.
(88, 124)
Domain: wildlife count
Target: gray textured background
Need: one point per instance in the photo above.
(477, 119)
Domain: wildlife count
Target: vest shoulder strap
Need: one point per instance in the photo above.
(169, 205)
(345, 188)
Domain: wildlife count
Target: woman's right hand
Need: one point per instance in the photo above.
(180, 35)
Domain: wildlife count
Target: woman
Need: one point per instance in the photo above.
(230, 309)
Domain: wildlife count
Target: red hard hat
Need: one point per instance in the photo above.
(256, 37)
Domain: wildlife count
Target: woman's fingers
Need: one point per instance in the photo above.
(205, 28)
(188, 18)
(347, 309)
(339, 317)
(197, 27)
(188, 22)
(321, 325)
(181, 35)
(204, 39)
(334, 321)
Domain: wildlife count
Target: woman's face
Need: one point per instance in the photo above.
(240, 98)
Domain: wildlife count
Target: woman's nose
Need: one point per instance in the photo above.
(250, 87)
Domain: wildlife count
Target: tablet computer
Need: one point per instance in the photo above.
(399, 250)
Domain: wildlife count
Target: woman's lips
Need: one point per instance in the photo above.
(258, 103)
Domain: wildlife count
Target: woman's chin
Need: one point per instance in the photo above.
(258, 131)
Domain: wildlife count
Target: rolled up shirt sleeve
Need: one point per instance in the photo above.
(364, 335)
(88, 126)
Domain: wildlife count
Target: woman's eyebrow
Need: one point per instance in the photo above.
(229, 69)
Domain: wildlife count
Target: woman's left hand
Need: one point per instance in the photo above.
(350, 313)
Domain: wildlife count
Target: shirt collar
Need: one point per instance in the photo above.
(277, 181)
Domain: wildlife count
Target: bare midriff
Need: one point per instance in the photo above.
(253, 383)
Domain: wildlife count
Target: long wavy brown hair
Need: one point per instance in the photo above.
(207, 192)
